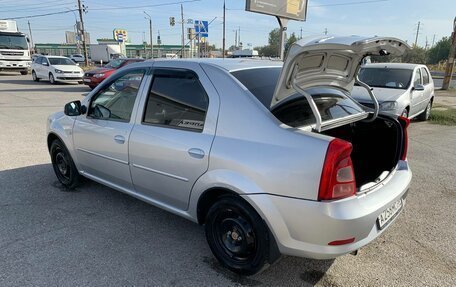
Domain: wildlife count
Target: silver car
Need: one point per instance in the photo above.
(401, 89)
(273, 158)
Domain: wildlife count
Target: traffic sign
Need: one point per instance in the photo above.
(202, 28)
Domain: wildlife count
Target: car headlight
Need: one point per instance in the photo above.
(99, 75)
(388, 106)
(58, 71)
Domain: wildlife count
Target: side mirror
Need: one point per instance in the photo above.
(74, 108)
(418, 87)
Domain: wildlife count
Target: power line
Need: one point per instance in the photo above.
(146, 6)
(41, 15)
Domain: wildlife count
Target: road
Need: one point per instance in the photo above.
(96, 236)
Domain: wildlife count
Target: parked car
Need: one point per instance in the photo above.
(272, 160)
(56, 69)
(94, 77)
(77, 58)
(401, 89)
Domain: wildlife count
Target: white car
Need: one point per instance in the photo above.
(402, 89)
(56, 69)
(78, 58)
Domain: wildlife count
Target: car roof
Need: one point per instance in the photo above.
(228, 64)
(406, 66)
(50, 56)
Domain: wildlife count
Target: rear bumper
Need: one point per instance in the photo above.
(304, 228)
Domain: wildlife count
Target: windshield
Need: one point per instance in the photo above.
(61, 61)
(114, 63)
(13, 42)
(386, 77)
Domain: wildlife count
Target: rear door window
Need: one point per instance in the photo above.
(176, 100)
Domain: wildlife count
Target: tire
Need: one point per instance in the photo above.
(24, 73)
(237, 235)
(51, 78)
(34, 77)
(405, 113)
(424, 116)
(63, 165)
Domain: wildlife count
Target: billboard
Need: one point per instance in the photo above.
(289, 9)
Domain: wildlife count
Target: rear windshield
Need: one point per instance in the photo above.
(295, 110)
(386, 77)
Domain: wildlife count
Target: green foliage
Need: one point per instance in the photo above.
(440, 51)
(416, 55)
(272, 49)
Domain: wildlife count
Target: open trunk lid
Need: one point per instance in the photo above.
(331, 62)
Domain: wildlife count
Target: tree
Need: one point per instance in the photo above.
(440, 51)
(290, 42)
(416, 55)
(272, 49)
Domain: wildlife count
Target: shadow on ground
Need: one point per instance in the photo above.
(95, 235)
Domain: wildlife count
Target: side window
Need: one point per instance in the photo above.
(176, 99)
(417, 78)
(425, 76)
(115, 101)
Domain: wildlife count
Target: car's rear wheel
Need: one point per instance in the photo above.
(237, 235)
(63, 165)
(424, 116)
(51, 78)
(34, 77)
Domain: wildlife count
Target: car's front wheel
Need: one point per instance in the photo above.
(34, 77)
(237, 235)
(51, 78)
(63, 165)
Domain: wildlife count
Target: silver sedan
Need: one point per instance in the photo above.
(273, 158)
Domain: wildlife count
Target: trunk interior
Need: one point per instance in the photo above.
(377, 147)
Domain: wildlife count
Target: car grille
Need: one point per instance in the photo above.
(10, 53)
(88, 74)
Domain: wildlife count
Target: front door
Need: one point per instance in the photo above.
(169, 148)
(416, 95)
(101, 136)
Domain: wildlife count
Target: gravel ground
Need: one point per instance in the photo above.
(96, 236)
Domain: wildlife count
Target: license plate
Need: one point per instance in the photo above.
(87, 80)
(390, 213)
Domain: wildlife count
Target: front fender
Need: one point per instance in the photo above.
(61, 126)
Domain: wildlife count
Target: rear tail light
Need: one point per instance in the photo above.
(337, 178)
(405, 122)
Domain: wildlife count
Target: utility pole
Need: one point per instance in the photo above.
(450, 63)
(235, 39)
(84, 44)
(239, 38)
(326, 31)
(417, 32)
(433, 41)
(301, 34)
(31, 37)
(182, 23)
(223, 45)
(150, 35)
(427, 43)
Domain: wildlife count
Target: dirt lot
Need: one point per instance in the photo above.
(100, 237)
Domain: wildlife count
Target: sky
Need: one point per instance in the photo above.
(396, 18)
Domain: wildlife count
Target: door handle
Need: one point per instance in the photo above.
(196, 153)
(119, 139)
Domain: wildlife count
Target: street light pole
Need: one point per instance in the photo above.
(223, 48)
(183, 39)
(150, 35)
(31, 37)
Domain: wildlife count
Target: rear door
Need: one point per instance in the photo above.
(428, 87)
(172, 138)
(101, 136)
